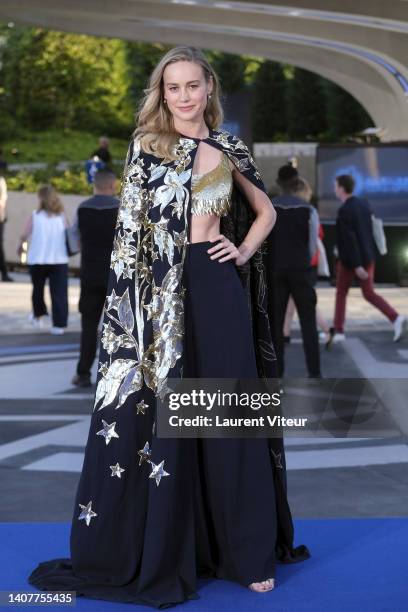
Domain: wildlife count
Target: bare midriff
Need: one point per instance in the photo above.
(204, 227)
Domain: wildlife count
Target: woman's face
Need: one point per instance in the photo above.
(186, 90)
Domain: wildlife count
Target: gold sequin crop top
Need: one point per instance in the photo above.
(211, 192)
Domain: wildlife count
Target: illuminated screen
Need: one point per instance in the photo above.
(381, 175)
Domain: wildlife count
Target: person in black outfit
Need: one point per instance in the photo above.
(103, 151)
(292, 243)
(96, 221)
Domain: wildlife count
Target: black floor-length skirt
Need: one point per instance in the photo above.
(223, 510)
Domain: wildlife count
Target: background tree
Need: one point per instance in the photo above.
(230, 69)
(142, 58)
(306, 106)
(57, 81)
(66, 80)
(269, 116)
(345, 115)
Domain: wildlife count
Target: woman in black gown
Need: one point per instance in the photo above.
(186, 298)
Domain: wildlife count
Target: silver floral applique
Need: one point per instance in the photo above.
(139, 243)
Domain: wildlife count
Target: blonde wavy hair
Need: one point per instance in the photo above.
(302, 189)
(155, 125)
(49, 200)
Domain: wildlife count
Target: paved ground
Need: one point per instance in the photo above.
(44, 420)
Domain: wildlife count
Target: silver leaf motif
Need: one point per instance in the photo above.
(108, 385)
(125, 312)
(132, 382)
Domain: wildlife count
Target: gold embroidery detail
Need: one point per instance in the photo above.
(211, 192)
(138, 243)
(245, 161)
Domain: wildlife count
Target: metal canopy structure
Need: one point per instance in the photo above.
(361, 45)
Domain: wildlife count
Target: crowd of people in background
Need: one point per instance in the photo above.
(297, 260)
(296, 254)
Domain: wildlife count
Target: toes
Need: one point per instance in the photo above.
(262, 587)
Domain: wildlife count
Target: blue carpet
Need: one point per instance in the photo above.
(356, 565)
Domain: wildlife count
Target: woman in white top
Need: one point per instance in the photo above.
(47, 257)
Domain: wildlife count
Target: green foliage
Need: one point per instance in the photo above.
(269, 117)
(66, 81)
(345, 115)
(68, 181)
(142, 58)
(76, 87)
(230, 70)
(294, 104)
(23, 181)
(71, 180)
(307, 106)
(52, 146)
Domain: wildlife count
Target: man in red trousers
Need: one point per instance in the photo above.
(356, 257)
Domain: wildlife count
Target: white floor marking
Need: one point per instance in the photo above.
(59, 462)
(74, 434)
(369, 366)
(62, 355)
(39, 380)
(297, 441)
(347, 457)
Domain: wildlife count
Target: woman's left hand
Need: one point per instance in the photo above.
(225, 249)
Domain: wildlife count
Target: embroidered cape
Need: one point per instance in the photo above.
(122, 503)
(142, 340)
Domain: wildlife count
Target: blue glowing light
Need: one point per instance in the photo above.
(371, 184)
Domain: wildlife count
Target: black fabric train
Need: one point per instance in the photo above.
(125, 543)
